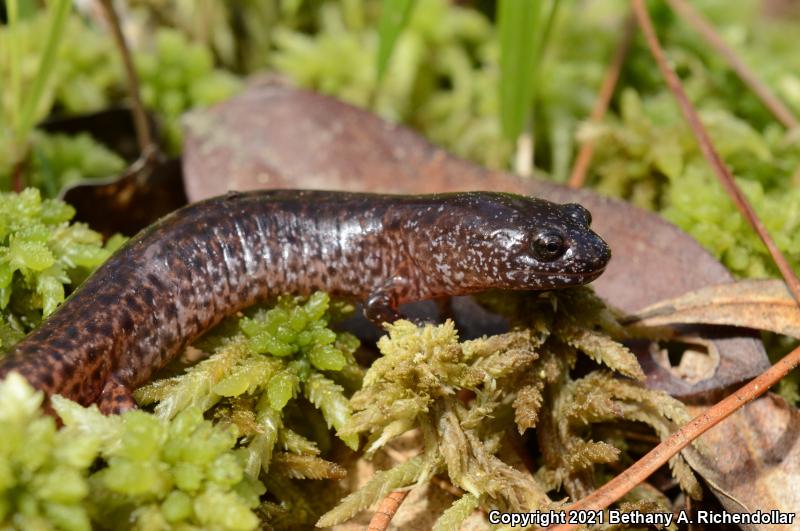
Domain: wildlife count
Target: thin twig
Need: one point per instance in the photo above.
(584, 158)
(748, 77)
(386, 510)
(144, 136)
(658, 456)
(18, 173)
(708, 150)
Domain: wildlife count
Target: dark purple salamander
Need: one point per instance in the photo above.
(208, 260)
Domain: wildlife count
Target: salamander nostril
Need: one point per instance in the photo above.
(604, 252)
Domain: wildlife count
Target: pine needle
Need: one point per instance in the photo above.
(381, 484)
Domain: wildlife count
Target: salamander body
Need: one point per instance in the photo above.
(184, 274)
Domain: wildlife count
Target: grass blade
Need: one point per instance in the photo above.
(15, 83)
(58, 19)
(394, 17)
(519, 29)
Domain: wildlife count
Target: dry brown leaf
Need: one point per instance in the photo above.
(751, 460)
(758, 304)
(698, 362)
(149, 188)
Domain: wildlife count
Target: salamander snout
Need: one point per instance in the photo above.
(592, 254)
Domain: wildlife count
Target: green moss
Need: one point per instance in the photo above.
(43, 471)
(41, 254)
(441, 78)
(176, 468)
(86, 76)
(520, 379)
(58, 161)
(150, 471)
(266, 367)
(177, 75)
(649, 156)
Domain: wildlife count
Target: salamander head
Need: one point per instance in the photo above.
(508, 241)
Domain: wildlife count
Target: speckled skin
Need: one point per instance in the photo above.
(208, 260)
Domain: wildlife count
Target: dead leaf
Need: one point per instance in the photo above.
(724, 361)
(149, 188)
(129, 202)
(752, 460)
(698, 362)
(757, 304)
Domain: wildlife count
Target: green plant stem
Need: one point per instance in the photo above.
(393, 19)
(15, 83)
(540, 51)
(547, 31)
(58, 19)
(518, 27)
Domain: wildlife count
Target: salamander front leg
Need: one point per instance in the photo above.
(115, 398)
(380, 308)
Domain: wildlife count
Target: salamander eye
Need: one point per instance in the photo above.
(548, 246)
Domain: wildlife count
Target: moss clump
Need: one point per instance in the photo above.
(270, 384)
(40, 254)
(279, 373)
(520, 379)
(43, 471)
(98, 471)
(161, 473)
(649, 156)
(275, 383)
(442, 77)
(58, 161)
(177, 75)
(85, 77)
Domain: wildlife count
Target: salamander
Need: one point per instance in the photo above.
(208, 260)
